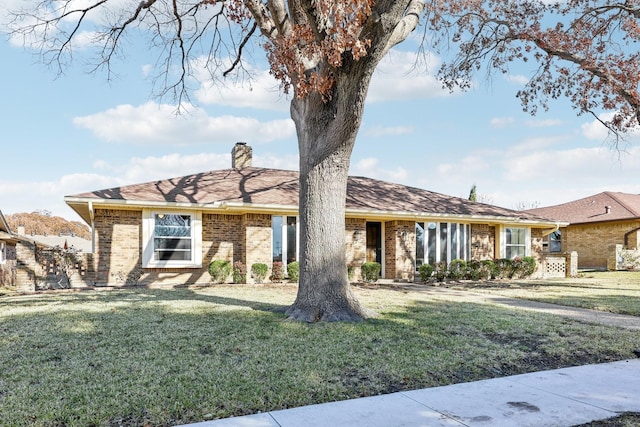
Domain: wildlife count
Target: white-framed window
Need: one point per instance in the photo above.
(3, 252)
(442, 241)
(516, 242)
(172, 239)
(285, 239)
(555, 241)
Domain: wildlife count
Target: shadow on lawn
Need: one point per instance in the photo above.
(133, 296)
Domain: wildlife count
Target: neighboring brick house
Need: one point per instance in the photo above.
(168, 231)
(7, 254)
(595, 224)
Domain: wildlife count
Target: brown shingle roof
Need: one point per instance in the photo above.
(622, 206)
(260, 186)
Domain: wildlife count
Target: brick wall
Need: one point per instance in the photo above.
(356, 245)
(257, 241)
(222, 238)
(483, 240)
(400, 250)
(118, 238)
(591, 241)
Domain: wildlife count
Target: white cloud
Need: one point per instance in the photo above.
(29, 196)
(401, 76)
(369, 167)
(255, 88)
(533, 144)
(378, 131)
(152, 123)
(542, 175)
(501, 122)
(470, 164)
(544, 123)
(596, 130)
(517, 79)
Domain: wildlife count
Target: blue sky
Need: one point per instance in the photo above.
(66, 134)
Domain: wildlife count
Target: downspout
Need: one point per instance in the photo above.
(545, 233)
(93, 228)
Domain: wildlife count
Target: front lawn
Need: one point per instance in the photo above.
(615, 292)
(162, 357)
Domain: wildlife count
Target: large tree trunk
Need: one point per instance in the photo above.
(326, 136)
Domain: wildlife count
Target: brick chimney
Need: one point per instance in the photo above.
(241, 155)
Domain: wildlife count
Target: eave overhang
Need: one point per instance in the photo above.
(84, 207)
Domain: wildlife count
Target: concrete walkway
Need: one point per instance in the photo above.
(581, 314)
(561, 397)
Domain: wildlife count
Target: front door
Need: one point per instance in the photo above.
(374, 242)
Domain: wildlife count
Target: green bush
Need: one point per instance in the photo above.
(489, 269)
(475, 270)
(524, 267)
(277, 272)
(239, 272)
(457, 269)
(426, 271)
(259, 272)
(505, 268)
(370, 271)
(219, 270)
(293, 271)
(440, 271)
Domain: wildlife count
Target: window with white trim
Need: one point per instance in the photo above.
(3, 252)
(284, 239)
(515, 242)
(555, 241)
(442, 241)
(172, 239)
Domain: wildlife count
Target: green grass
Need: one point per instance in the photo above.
(615, 292)
(167, 356)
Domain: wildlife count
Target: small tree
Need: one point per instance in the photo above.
(472, 194)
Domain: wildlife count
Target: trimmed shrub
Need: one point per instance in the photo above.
(239, 272)
(371, 271)
(440, 271)
(489, 269)
(277, 272)
(426, 271)
(259, 272)
(524, 267)
(505, 268)
(293, 271)
(457, 269)
(219, 270)
(475, 270)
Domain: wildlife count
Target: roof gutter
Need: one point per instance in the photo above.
(233, 207)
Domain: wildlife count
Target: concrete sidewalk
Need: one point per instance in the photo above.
(560, 397)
